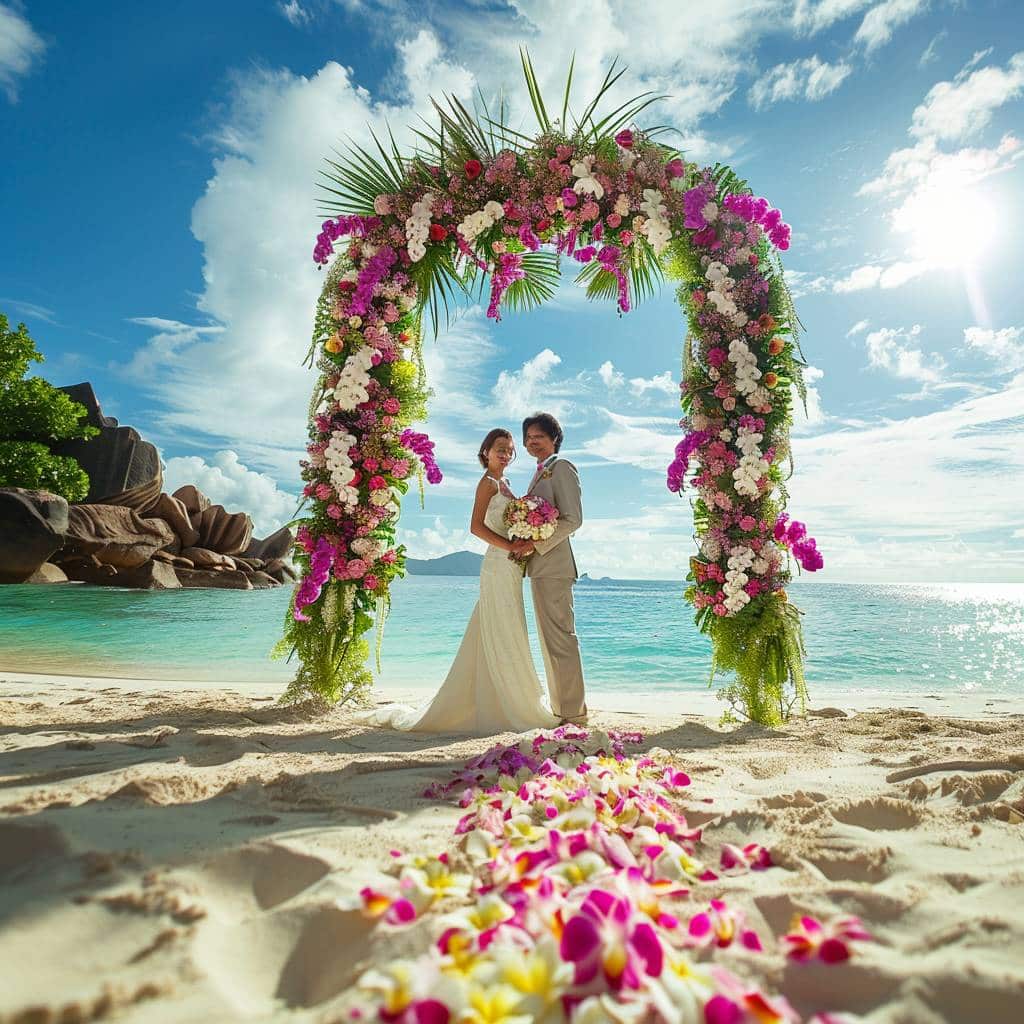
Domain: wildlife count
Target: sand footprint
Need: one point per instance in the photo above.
(879, 814)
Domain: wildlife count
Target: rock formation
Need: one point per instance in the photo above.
(32, 527)
(128, 532)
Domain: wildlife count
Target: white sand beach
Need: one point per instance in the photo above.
(176, 853)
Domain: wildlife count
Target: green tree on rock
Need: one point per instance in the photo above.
(33, 416)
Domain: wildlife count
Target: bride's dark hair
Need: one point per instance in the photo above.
(488, 442)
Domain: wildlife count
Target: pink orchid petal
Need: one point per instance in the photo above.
(581, 940)
(401, 912)
(720, 1010)
(431, 1011)
(700, 926)
(834, 951)
(648, 947)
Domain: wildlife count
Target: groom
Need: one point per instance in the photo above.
(552, 568)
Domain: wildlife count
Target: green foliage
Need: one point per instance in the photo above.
(34, 415)
(33, 410)
(763, 644)
(33, 466)
(17, 350)
(332, 654)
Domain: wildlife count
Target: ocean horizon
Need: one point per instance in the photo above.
(635, 634)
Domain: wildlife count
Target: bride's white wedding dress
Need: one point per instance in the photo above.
(492, 685)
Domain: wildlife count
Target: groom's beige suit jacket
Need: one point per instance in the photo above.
(559, 484)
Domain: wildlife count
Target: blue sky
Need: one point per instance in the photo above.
(159, 209)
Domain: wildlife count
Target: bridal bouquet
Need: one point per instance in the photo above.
(529, 518)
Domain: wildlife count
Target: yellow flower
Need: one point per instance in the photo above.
(495, 1004)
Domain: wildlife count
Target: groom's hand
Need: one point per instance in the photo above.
(522, 547)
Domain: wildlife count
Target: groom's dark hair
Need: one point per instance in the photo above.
(547, 423)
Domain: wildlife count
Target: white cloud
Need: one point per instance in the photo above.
(662, 382)
(611, 377)
(957, 110)
(881, 21)
(229, 483)
(438, 539)
(30, 309)
(921, 497)
(931, 52)
(809, 79)
(802, 282)
(810, 17)
(896, 350)
(875, 275)
(643, 441)
(528, 389)
(294, 12)
(814, 415)
(20, 48)
(1005, 346)
(859, 327)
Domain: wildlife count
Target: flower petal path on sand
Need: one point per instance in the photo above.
(577, 891)
(419, 233)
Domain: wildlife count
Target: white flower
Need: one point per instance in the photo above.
(417, 227)
(652, 204)
(621, 206)
(494, 210)
(586, 182)
(709, 211)
(716, 272)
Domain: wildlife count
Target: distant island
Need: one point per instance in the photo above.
(463, 563)
(459, 563)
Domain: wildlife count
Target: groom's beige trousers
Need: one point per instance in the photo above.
(552, 572)
(556, 626)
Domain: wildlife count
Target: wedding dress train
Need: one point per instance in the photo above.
(492, 685)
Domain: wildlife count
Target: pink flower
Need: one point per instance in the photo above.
(377, 483)
(753, 857)
(356, 569)
(722, 926)
(400, 470)
(604, 939)
(728, 404)
(323, 491)
(829, 942)
(392, 406)
(675, 168)
(614, 220)
(625, 139)
(389, 557)
(335, 511)
(717, 357)
(371, 465)
(626, 237)
(370, 582)
(747, 523)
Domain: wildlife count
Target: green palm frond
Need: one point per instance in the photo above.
(540, 283)
(645, 275)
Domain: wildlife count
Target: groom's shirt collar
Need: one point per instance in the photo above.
(547, 462)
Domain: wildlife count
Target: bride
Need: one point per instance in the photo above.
(492, 685)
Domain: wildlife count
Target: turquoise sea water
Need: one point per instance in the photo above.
(635, 635)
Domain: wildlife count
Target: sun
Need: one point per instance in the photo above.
(948, 222)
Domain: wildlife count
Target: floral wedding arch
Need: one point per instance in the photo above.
(482, 210)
